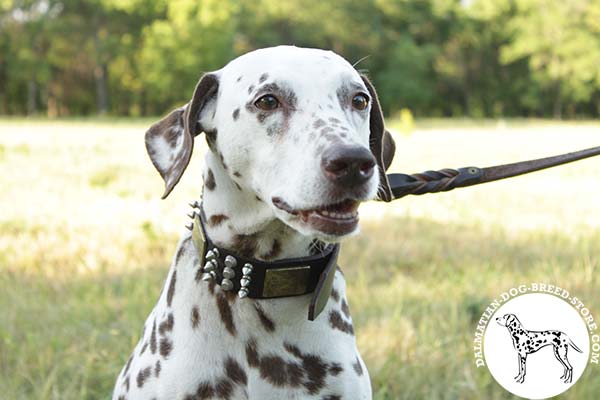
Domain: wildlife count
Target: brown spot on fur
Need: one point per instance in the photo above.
(310, 372)
(316, 371)
(245, 244)
(277, 128)
(334, 120)
(261, 117)
(250, 89)
(157, 368)
(335, 295)
(127, 365)
(144, 347)
(223, 161)
(211, 138)
(266, 322)
(357, 367)
(274, 369)
(165, 347)
(153, 338)
(337, 322)
(237, 185)
(318, 123)
(195, 317)
(292, 349)
(252, 356)
(274, 252)
(345, 308)
(223, 388)
(239, 78)
(166, 325)
(263, 77)
(205, 391)
(126, 383)
(335, 369)
(226, 314)
(314, 367)
(171, 291)
(216, 220)
(181, 250)
(258, 199)
(142, 376)
(235, 114)
(209, 181)
(332, 397)
(237, 174)
(235, 372)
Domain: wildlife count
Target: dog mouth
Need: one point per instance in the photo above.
(337, 219)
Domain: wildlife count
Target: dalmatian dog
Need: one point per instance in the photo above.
(296, 142)
(528, 342)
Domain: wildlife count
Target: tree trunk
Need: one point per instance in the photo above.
(101, 73)
(101, 77)
(32, 97)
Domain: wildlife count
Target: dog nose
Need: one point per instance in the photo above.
(348, 165)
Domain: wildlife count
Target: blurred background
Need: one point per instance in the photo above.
(85, 241)
(438, 58)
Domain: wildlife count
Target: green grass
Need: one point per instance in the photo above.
(85, 245)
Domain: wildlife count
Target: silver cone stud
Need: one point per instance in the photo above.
(210, 255)
(210, 266)
(226, 284)
(247, 270)
(245, 281)
(230, 262)
(228, 273)
(206, 277)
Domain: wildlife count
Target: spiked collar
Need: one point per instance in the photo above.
(258, 279)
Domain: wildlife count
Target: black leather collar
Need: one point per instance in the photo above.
(258, 279)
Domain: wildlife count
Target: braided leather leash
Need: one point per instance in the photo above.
(447, 179)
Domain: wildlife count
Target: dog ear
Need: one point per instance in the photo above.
(170, 141)
(381, 142)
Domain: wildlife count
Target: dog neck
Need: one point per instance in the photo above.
(240, 220)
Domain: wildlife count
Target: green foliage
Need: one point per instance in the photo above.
(477, 58)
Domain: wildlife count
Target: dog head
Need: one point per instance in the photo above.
(300, 128)
(508, 320)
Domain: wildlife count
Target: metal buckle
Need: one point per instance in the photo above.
(286, 281)
(198, 238)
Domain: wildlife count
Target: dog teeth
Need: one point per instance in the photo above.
(338, 215)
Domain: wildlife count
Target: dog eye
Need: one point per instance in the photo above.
(268, 102)
(360, 101)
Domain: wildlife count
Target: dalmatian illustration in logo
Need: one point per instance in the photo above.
(527, 342)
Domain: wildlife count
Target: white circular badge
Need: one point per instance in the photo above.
(536, 345)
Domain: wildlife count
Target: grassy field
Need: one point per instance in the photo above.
(85, 243)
